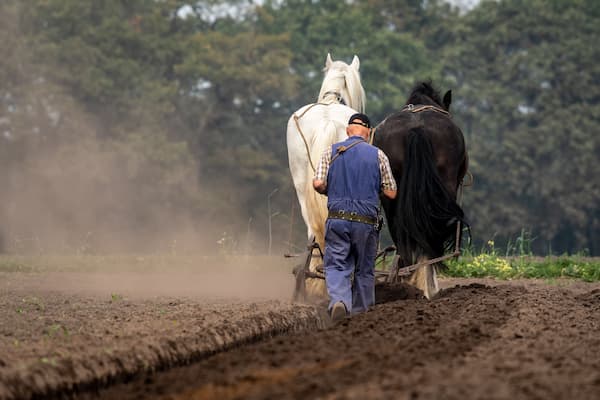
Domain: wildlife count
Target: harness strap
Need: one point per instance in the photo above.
(413, 109)
(372, 135)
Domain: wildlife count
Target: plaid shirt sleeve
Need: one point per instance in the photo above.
(387, 178)
(323, 167)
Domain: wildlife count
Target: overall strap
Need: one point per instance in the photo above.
(342, 149)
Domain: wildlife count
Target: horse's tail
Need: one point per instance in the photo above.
(427, 212)
(316, 204)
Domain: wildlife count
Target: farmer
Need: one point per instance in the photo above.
(352, 179)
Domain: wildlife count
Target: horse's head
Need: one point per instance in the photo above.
(424, 93)
(341, 84)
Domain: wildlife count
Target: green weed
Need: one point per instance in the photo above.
(56, 329)
(48, 360)
(115, 297)
(489, 263)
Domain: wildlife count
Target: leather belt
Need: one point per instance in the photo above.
(352, 216)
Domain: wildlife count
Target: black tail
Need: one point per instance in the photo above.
(427, 214)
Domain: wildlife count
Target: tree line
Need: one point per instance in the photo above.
(141, 116)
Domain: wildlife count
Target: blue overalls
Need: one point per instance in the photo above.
(353, 185)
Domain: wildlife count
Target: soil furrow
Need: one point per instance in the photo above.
(481, 339)
(387, 351)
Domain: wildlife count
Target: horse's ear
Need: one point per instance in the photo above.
(328, 61)
(355, 63)
(447, 100)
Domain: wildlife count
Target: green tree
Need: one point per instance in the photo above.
(89, 120)
(116, 57)
(392, 58)
(527, 76)
(233, 79)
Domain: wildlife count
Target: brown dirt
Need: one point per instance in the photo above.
(524, 340)
(63, 332)
(481, 339)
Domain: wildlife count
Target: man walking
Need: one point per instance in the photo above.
(352, 174)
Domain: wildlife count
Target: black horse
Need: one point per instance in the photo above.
(429, 160)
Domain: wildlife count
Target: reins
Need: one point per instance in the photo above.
(339, 99)
(296, 118)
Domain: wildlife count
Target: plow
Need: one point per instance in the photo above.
(383, 274)
(394, 274)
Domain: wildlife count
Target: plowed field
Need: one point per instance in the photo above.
(480, 339)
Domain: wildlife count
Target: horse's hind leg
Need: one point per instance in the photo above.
(433, 286)
(425, 279)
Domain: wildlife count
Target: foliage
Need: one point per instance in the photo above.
(391, 58)
(527, 75)
(489, 263)
(147, 116)
(111, 54)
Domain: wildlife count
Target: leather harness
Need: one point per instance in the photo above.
(416, 109)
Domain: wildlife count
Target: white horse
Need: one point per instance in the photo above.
(312, 129)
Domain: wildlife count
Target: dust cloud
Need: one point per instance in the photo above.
(202, 280)
(66, 191)
(73, 180)
(73, 194)
(71, 209)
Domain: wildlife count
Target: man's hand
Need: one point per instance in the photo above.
(390, 194)
(320, 186)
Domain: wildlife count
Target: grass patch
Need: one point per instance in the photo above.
(485, 265)
(489, 263)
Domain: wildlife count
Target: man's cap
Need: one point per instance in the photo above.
(361, 117)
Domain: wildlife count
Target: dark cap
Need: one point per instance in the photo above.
(361, 117)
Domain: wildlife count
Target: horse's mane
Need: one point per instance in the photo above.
(352, 93)
(424, 93)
